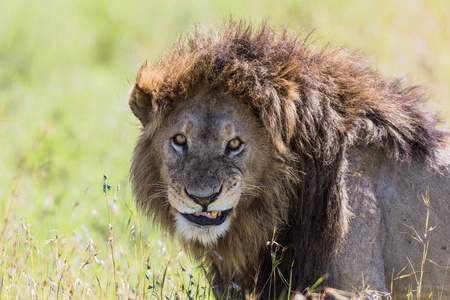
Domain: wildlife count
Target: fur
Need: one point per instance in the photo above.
(314, 103)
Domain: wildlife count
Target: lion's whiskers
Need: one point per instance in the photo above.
(164, 203)
(161, 195)
(157, 185)
(253, 190)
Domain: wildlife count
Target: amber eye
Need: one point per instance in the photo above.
(234, 144)
(179, 139)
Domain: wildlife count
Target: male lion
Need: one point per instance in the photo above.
(280, 162)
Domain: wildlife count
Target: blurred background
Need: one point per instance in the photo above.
(65, 70)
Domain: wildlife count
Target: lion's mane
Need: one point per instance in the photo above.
(314, 103)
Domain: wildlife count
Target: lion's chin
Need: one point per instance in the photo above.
(204, 234)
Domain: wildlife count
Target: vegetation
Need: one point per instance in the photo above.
(67, 230)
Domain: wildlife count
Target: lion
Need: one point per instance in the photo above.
(278, 163)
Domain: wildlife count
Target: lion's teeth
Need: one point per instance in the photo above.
(209, 214)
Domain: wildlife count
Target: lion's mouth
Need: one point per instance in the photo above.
(207, 218)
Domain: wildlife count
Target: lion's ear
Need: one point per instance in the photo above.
(140, 100)
(140, 104)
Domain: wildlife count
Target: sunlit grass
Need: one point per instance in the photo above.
(75, 264)
(65, 70)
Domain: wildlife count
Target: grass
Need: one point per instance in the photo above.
(75, 265)
(65, 69)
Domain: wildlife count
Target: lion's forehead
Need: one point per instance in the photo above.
(211, 115)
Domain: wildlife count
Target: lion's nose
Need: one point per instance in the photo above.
(204, 201)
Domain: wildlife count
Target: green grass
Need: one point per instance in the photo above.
(65, 70)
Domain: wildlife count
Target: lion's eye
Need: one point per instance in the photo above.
(234, 144)
(179, 140)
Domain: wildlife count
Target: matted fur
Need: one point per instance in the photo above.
(314, 103)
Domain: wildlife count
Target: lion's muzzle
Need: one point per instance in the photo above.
(206, 217)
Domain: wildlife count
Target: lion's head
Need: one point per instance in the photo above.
(209, 171)
(212, 157)
(245, 135)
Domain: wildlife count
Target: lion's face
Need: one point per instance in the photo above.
(213, 152)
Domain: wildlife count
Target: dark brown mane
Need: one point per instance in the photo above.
(314, 103)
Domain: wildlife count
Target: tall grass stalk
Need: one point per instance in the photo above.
(111, 234)
(424, 241)
(6, 217)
